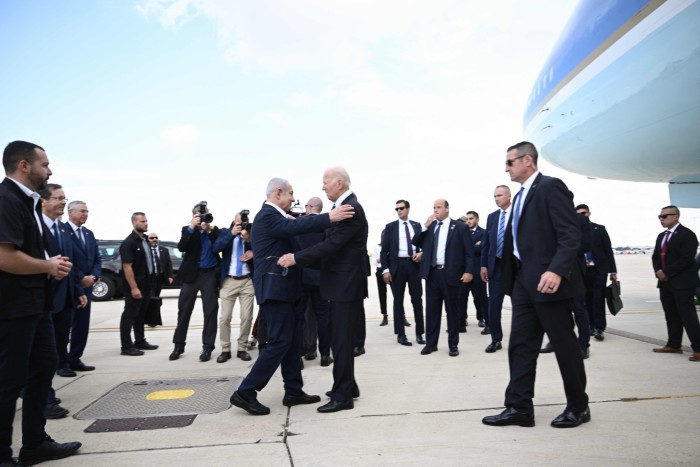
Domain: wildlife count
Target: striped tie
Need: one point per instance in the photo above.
(501, 233)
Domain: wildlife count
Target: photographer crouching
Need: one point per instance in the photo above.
(198, 274)
(236, 283)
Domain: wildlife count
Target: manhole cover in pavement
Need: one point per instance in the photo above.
(152, 398)
(140, 424)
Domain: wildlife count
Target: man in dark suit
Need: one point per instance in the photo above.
(540, 275)
(137, 279)
(198, 275)
(67, 293)
(88, 264)
(344, 272)
(492, 263)
(600, 261)
(277, 289)
(477, 287)
(448, 262)
(162, 264)
(677, 274)
(28, 357)
(400, 260)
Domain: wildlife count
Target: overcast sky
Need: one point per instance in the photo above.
(155, 105)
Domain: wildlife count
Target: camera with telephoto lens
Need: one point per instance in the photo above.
(245, 222)
(204, 216)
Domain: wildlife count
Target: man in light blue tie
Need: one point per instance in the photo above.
(491, 267)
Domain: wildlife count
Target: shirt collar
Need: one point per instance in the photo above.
(32, 194)
(342, 197)
(277, 207)
(531, 179)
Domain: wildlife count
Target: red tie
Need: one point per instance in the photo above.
(664, 245)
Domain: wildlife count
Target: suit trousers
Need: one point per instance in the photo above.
(531, 319)
(344, 320)
(381, 290)
(437, 292)
(283, 347)
(61, 324)
(205, 282)
(80, 328)
(361, 326)
(133, 317)
(407, 274)
(27, 360)
(496, 296)
(231, 290)
(317, 320)
(477, 287)
(679, 311)
(582, 322)
(595, 297)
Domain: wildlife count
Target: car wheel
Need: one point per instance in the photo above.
(104, 289)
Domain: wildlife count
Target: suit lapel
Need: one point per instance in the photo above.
(530, 194)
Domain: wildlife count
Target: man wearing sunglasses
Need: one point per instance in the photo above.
(675, 268)
(162, 264)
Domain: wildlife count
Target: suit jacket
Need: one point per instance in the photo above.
(224, 245)
(681, 269)
(22, 295)
(191, 245)
(478, 236)
(489, 245)
(393, 233)
(459, 251)
(66, 291)
(601, 250)
(549, 238)
(585, 225)
(343, 256)
(311, 274)
(166, 263)
(271, 239)
(87, 259)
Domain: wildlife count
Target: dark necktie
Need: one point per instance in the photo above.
(156, 260)
(501, 233)
(664, 245)
(436, 239)
(239, 253)
(516, 214)
(57, 234)
(409, 246)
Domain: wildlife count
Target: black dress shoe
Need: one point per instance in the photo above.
(336, 406)
(454, 351)
(175, 354)
(224, 357)
(355, 393)
(419, 339)
(48, 450)
(510, 416)
(585, 352)
(598, 334)
(485, 331)
(55, 411)
(10, 463)
(358, 351)
(482, 323)
(570, 419)
(80, 366)
(310, 355)
(385, 321)
(403, 340)
(549, 348)
(66, 373)
(493, 346)
(252, 407)
(326, 360)
(132, 352)
(146, 346)
(205, 356)
(428, 350)
(243, 355)
(290, 401)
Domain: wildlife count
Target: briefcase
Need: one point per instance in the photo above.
(612, 297)
(152, 317)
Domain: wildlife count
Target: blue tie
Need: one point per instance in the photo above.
(57, 234)
(239, 253)
(501, 233)
(516, 215)
(436, 238)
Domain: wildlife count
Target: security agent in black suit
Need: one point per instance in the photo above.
(27, 345)
(600, 261)
(477, 287)
(277, 290)
(198, 273)
(162, 264)
(344, 272)
(541, 276)
(400, 260)
(137, 275)
(448, 262)
(677, 274)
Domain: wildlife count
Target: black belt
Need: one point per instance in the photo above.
(401, 258)
(205, 269)
(439, 266)
(239, 278)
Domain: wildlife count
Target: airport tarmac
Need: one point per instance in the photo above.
(413, 409)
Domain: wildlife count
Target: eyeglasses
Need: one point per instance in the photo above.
(509, 162)
(59, 198)
(153, 238)
(664, 216)
(399, 209)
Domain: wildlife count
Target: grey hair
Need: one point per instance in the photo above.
(276, 184)
(72, 205)
(341, 173)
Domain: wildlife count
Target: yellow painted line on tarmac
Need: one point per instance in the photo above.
(639, 399)
(170, 394)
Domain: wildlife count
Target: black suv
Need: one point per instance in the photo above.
(110, 284)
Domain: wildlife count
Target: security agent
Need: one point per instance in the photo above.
(198, 275)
